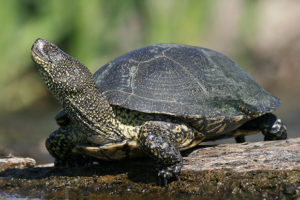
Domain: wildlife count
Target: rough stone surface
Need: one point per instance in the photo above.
(271, 155)
(261, 170)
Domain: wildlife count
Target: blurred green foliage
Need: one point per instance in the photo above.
(93, 31)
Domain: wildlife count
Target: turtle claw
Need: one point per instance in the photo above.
(162, 181)
(167, 174)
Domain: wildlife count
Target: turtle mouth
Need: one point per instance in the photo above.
(37, 52)
(42, 59)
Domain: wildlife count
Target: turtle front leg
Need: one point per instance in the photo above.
(270, 126)
(62, 119)
(60, 144)
(161, 141)
(155, 142)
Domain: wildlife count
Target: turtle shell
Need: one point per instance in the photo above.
(182, 80)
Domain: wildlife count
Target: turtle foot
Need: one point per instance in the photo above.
(167, 174)
(277, 131)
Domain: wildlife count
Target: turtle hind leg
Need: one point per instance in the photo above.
(240, 139)
(270, 126)
(60, 145)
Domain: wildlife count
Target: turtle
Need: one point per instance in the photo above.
(156, 101)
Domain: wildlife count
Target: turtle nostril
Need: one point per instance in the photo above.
(38, 50)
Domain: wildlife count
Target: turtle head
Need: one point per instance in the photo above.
(62, 73)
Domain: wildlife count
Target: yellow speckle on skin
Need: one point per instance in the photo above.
(221, 129)
(214, 121)
(237, 118)
(184, 128)
(176, 129)
(215, 129)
